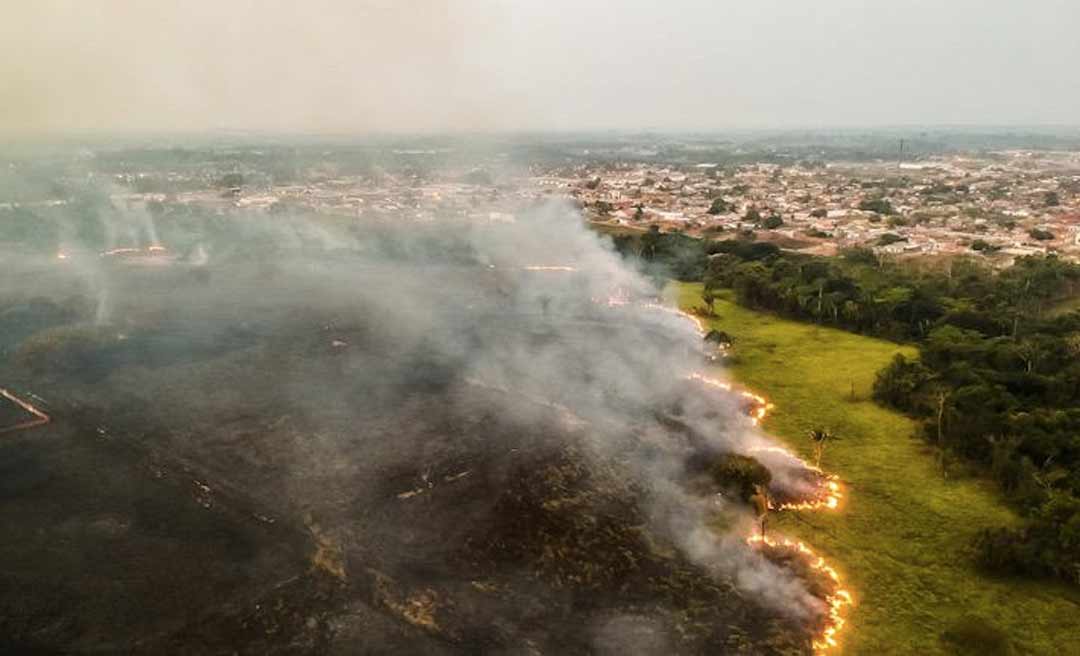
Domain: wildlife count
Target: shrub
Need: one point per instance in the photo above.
(719, 206)
(974, 635)
(879, 205)
(739, 473)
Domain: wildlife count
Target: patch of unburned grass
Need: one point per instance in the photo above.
(902, 536)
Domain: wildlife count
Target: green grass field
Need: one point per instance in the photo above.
(901, 538)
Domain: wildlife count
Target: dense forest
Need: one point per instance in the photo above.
(997, 381)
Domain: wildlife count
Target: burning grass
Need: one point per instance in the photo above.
(805, 487)
(901, 537)
(473, 513)
(18, 414)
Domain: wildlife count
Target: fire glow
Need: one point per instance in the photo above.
(836, 600)
(761, 405)
(149, 250)
(39, 416)
(828, 498)
(549, 268)
(830, 492)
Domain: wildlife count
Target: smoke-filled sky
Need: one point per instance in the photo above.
(341, 66)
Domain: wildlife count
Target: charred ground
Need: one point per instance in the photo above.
(289, 473)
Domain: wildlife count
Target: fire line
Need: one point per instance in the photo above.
(39, 419)
(829, 499)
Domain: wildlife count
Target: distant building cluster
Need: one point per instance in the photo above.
(1002, 204)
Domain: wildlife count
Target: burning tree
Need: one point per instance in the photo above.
(819, 436)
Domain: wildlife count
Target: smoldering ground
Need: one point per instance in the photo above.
(482, 430)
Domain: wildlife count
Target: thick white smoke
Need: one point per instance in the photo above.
(541, 309)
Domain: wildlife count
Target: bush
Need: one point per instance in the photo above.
(1048, 546)
(898, 384)
(739, 473)
(974, 635)
(890, 238)
(879, 205)
(718, 337)
(719, 206)
(773, 222)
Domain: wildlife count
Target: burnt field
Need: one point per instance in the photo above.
(335, 454)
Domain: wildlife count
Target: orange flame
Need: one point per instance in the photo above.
(831, 493)
(761, 404)
(39, 416)
(149, 250)
(539, 267)
(829, 499)
(120, 251)
(836, 600)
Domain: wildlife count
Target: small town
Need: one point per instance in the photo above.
(1004, 205)
(996, 205)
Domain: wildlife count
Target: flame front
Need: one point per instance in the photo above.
(546, 267)
(149, 250)
(761, 405)
(39, 416)
(828, 499)
(836, 601)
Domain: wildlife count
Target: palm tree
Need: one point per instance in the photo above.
(819, 436)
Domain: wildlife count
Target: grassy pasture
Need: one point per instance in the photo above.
(901, 537)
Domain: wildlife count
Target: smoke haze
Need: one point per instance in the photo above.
(436, 65)
(361, 349)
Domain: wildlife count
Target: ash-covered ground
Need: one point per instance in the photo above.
(294, 437)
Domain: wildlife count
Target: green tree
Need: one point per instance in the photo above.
(719, 206)
(709, 297)
(879, 205)
(650, 242)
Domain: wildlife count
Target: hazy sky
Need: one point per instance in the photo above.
(387, 65)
